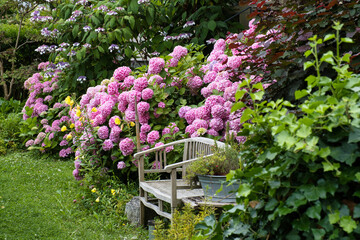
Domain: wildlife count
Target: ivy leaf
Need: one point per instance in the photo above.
(354, 135)
(330, 167)
(348, 224)
(211, 25)
(334, 217)
(318, 233)
(301, 93)
(311, 193)
(303, 131)
(314, 211)
(345, 153)
(356, 213)
(271, 205)
(357, 175)
(244, 190)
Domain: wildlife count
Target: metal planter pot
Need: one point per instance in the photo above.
(212, 183)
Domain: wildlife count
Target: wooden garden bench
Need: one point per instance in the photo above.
(153, 193)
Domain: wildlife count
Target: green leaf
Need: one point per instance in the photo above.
(329, 37)
(159, 111)
(246, 115)
(301, 93)
(328, 57)
(308, 64)
(258, 86)
(345, 153)
(334, 217)
(346, 58)
(239, 94)
(324, 152)
(314, 211)
(237, 106)
(318, 233)
(75, 30)
(347, 40)
(127, 33)
(131, 20)
(211, 25)
(356, 213)
(330, 166)
(128, 52)
(101, 49)
(271, 204)
(348, 224)
(257, 96)
(244, 190)
(307, 53)
(357, 175)
(304, 131)
(134, 6)
(311, 192)
(354, 135)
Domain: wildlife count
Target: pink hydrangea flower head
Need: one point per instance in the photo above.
(214, 100)
(129, 81)
(234, 62)
(218, 111)
(156, 79)
(126, 146)
(153, 136)
(121, 165)
(131, 96)
(179, 52)
(190, 116)
(202, 113)
(143, 107)
(115, 134)
(144, 118)
(217, 124)
(147, 93)
(195, 82)
(183, 110)
(103, 132)
(212, 132)
(210, 76)
(129, 115)
(113, 88)
(161, 105)
(107, 145)
(121, 73)
(140, 84)
(220, 45)
(200, 123)
(156, 65)
(173, 62)
(145, 128)
(190, 129)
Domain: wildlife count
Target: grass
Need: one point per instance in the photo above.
(36, 202)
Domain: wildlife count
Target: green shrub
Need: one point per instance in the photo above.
(302, 174)
(183, 225)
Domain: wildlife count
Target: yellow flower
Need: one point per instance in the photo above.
(117, 121)
(78, 113)
(64, 128)
(97, 200)
(69, 136)
(93, 190)
(113, 192)
(72, 125)
(132, 124)
(68, 100)
(71, 103)
(77, 157)
(94, 109)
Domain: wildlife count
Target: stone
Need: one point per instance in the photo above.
(132, 211)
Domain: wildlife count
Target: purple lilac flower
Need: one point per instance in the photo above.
(87, 45)
(113, 46)
(112, 13)
(100, 29)
(188, 24)
(81, 79)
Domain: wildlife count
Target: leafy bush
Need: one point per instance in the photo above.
(183, 225)
(299, 20)
(302, 176)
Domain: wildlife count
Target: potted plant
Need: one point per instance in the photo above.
(211, 172)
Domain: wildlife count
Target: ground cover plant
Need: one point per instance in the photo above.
(37, 202)
(302, 174)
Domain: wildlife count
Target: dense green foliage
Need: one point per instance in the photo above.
(300, 20)
(301, 179)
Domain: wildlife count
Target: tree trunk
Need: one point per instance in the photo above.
(3, 82)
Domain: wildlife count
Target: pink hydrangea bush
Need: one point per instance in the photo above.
(177, 96)
(53, 122)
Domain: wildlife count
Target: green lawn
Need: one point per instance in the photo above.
(36, 202)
